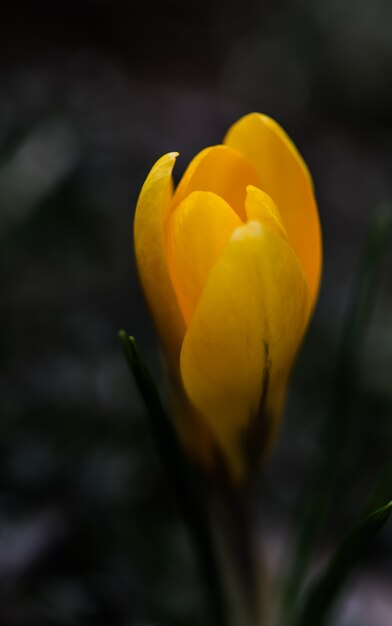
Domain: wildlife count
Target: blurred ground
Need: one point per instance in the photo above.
(91, 93)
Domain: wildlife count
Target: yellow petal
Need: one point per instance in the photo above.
(261, 208)
(196, 233)
(152, 208)
(222, 170)
(241, 342)
(285, 177)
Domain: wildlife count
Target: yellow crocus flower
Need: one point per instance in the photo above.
(230, 264)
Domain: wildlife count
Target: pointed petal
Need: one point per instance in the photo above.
(152, 207)
(222, 170)
(196, 234)
(261, 208)
(285, 177)
(244, 334)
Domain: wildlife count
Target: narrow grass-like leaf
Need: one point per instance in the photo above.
(181, 476)
(319, 499)
(320, 599)
(382, 490)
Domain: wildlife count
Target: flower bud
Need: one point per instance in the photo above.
(230, 264)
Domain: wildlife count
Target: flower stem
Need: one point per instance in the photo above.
(238, 557)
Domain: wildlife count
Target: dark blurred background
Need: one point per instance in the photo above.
(91, 94)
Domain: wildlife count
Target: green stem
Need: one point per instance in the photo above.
(240, 561)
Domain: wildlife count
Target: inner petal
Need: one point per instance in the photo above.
(197, 231)
(222, 170)
(260, 207)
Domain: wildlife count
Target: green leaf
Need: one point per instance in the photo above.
(182, 477)
(324, 591)
(382, 490)
(317, 503)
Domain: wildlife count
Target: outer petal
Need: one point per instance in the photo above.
(222, 170)
(151, 210)
(285, 177)
(245, 332)
(196, 234)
